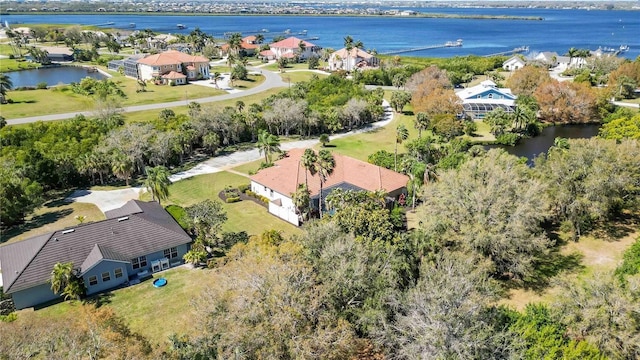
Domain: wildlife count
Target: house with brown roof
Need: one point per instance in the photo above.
(280, 181)
(248, 46)
(353, 59)
(192, 66)
(135, 240)
(290, 47)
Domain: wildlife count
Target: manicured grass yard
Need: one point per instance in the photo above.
(54, 215)
(242, 216)
(299, 76)
(155, 313)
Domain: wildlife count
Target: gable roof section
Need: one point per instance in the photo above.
(287, 173)
(121, 238)
(174, 75)
(291, 43)
(97, 254)
(171, 57)
(514, 59)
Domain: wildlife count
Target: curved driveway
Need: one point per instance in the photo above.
(272, 80)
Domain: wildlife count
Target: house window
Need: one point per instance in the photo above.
(490, 96)
(479, 96)
(106, 276)
(93, 280)
(117, 273)
(139, 262)
(171, 253)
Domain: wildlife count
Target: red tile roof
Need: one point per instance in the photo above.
(267, 53)
(174, 75)
(291, 43)
(287, 173)
(172, 57)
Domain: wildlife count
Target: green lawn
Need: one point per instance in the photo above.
(299, 76)
(54, 215)
(242, 216)
(155, 313)
(296, 66)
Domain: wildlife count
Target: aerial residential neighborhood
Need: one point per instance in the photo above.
(263, 181)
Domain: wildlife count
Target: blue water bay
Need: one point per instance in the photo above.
(558, 31)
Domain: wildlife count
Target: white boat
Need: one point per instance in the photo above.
(624, 48)
(180, 26)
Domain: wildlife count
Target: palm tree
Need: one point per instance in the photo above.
(301, 199)
(122, 167)
(235, 42)
(421, 122)
(324, 167)
(157, 182)
(302, 47)
(348, 45)
(308, 161)
(573, 52)
(215, 78)
(268, 143)
(61, 276)
(259, 39)
(5, 85)
(195, 256)
(401, 135)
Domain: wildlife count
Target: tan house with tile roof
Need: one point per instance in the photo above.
(248, 46)
(194, 67)
(290, 47)
(353, 59)
(281, 180)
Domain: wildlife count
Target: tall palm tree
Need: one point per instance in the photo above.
(401, 135)
(308, 161)
(421, 122)
(324, 167)
(348, 45)
(259, 39)
(301, 199)
(157, 182)
(573, 52)
(5, 85)
(268, 143)
(235, 42)
(61, 276)
(302, 47)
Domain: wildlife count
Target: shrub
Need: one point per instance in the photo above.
(232, 199)
(250, 193)
(179, 214)
(244, 187)
(508, 139)
(41, 85)
(9, 318)
(264, 199)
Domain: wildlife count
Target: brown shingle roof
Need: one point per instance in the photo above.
(172, 57)
(287, 173)
(29, 262)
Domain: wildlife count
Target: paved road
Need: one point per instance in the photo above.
(272, 80)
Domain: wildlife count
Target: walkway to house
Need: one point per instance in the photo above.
(110, 199)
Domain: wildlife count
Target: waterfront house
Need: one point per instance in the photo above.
(514, 63)
(486, 97)
(290, 47)
(248, 46)
(135, 240)
(153, 66)
(352, 60)
(280, 181)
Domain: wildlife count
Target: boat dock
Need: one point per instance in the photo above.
(457, 43)
(517, 50)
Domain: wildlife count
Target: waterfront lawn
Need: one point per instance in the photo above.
(7, 65)
(52, 216)
(291, 66)
(43, 102)
(299, 76)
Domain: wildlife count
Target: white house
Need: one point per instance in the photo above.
(481, 99)
(514, 63)
(280, 181)
(194, 67)
(290, 47)
(352, 60)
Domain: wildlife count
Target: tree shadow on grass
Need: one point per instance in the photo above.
(621, 226)
(35, 222)
(99, 299)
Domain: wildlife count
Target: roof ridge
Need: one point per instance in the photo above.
(8, 288)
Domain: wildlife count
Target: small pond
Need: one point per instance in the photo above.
(532, 147)
(52, 76)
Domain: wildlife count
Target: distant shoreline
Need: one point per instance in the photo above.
(419, 15)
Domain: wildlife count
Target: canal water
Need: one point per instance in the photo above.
(52, 76)
(532, 147)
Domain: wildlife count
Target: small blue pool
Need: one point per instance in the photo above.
(160, 282)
